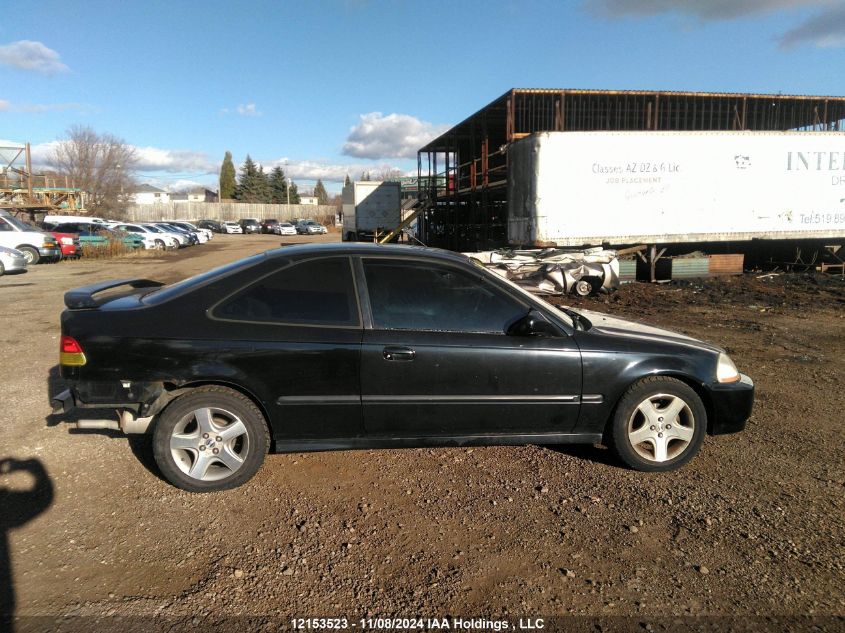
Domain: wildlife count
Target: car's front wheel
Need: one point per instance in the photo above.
(659, 425)
(210, 439)
(31, 254)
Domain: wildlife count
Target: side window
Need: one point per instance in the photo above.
(417, 296)
(5, 226)
(318, 292)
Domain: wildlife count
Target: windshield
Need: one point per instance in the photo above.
(153, 229)
(21, 225)
(566, 318)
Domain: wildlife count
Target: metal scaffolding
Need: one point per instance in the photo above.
(21, 189)
(463, 173)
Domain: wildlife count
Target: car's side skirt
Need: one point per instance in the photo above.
(341, 444)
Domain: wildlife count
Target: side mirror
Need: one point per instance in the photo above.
(532, 324)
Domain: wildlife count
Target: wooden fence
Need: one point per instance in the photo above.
(227, 211)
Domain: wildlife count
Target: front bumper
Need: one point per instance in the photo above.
(14, 264)
(50, 252)
(732, 403)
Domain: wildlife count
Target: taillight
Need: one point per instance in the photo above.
(70, 352)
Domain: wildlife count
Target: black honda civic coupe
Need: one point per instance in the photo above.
(345, 346)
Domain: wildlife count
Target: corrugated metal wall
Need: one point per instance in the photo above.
(226, 211)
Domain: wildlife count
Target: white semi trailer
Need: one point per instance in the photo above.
(370, 208)
(661, 188)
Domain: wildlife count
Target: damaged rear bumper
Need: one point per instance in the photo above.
(125, 417)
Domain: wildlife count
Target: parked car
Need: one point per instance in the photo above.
(232, 227)
(93, 235)
(69, 244)
(212, 225)
(180, 238)
(268, 225)
(284, 228)
(250, 225)
(340, 346)
(310, 227)
(190, 236)
(34, 243)
(64, 219)
(208, 233)
(153, 239)
(11, 261)
(200, 235)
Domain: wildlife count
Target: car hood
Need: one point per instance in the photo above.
(614, 326)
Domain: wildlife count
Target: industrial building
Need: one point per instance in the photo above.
(463, 174)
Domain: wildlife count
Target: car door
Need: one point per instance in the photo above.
(436, 361)
(296, 332)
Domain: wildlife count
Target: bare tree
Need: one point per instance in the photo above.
(389, 175)
(102, 165)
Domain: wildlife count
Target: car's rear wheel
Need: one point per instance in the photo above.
(31, 254)
(210, 439)
(160, 246)
(659, 425)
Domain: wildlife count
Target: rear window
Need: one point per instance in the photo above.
(174, 290)
(318, 292)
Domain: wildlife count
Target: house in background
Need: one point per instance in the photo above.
(197, 194)
(201, 194)
(308, 200)
(147, 194)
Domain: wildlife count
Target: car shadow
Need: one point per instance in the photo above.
(18, 506)
(590, 452)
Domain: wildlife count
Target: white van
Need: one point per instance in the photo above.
(35, 244)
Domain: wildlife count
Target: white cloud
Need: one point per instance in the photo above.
(390, 136)
(248, 110)
(704, 9)
(174, 161)
(330, 172)
(39, 108)
(34, 56)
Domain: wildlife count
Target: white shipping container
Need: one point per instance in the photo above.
(590, 188)
(370, 206)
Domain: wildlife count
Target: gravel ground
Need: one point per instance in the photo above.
(753, 528)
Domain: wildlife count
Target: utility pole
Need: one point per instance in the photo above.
(29, 174)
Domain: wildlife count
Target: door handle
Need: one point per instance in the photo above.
(398, 353)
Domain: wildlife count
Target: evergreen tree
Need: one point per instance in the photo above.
(253, 185)
(262, 186)
(347, 182)
(294, 194)
(278, 186)
(320, 192)
(227, 178)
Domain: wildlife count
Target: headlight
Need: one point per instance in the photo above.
(67, 240)
(726, 370)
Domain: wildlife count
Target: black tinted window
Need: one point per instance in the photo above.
(417, 296)
(319, 292)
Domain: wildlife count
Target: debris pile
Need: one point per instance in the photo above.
(554, 271)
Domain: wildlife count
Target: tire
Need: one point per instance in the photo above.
(32, 255)
(2, 269)
(585, 286)
(668, 418)
(183, 426)
(160, 245)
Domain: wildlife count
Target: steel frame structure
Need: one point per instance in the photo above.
(463, 173)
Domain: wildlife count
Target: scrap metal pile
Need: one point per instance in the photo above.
(555, 271)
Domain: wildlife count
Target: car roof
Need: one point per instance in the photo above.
(364, 248)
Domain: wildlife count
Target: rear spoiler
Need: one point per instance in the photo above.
(82, 298)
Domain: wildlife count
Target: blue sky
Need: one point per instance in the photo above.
(337, 86)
